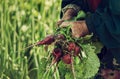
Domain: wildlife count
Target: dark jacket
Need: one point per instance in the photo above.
(104, 22)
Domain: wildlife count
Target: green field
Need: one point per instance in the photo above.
(24, 22)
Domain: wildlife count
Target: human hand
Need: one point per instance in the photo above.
(79, 28)
(68, 15)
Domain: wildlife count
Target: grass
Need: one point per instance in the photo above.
(24, 22)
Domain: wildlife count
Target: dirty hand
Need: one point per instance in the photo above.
(68, 15)
(79, 28)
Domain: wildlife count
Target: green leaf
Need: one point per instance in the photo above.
(90, 65)
(81, 15)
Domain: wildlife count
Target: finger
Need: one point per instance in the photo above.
(65, 24)
(60, 22)
(76, 36)
(75, 32)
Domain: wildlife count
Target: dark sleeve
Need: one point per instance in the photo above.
(105, 23)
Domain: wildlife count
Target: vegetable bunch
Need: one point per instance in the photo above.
(79, 54)
(63, 49)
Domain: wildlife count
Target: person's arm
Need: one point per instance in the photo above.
(105, 23)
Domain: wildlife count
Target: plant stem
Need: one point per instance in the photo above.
(73, 70)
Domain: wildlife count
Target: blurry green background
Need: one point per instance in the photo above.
(24, 22)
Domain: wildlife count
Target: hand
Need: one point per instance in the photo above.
(68, 15)
(79, 28)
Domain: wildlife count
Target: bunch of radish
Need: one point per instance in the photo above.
(76, 53)
(65, 46)
(63, 49)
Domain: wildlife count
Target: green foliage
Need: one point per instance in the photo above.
(81, 15)
(23, 22)
(91, 63)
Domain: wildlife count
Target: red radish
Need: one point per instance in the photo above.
(67, 59)
(71, 46)
(57, 53)
(76, 51)
(47, 41)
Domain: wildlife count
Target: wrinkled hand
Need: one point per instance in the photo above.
(79, 28)
(68, 15)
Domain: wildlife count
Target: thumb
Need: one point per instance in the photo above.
(65, 24)
(59, 22)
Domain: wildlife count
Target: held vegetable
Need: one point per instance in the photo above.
(71, 46)
(76, 51)
(57, 53)
(67, 59)
(47, 41)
